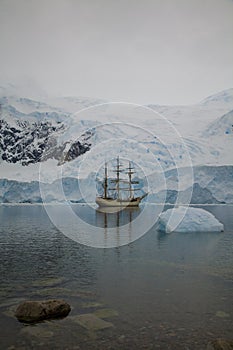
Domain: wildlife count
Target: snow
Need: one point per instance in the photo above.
(187, 219)
(225, 96)
(221, 126)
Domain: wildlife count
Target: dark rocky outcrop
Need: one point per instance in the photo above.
(34, 311)
(31, 142)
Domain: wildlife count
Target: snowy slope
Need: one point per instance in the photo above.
(221, 126)
(26, 105)
(219, 99)
(219, 134)
(192, 120)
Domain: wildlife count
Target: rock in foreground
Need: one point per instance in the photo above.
(188, 219)
(33, 311)
(220, 344)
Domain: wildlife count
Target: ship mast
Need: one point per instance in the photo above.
(130, 172)
(117, 180)
(118, 177)
(105, 181)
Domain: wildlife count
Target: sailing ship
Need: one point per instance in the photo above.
(117, 200)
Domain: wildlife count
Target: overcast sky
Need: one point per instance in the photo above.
(142, 51)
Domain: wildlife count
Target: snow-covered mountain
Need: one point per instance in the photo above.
(72, 137)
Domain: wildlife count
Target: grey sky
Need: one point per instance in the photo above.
(142, 51)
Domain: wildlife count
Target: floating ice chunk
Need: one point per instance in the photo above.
(187, 219)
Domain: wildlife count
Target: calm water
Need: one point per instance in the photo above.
(163, 291)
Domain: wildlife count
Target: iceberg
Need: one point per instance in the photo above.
(187, 219)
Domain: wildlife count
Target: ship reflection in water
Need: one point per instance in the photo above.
(115, 217)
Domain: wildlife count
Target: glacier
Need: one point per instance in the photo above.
(210, 185)
(12, 191)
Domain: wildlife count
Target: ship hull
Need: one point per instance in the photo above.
(109, 202)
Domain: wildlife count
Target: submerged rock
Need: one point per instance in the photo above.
(222, 314)
(47, 282)
(33, 311)
(106, 313)
(220, 344)
(91, 322)
(91, 304)
(36, 331)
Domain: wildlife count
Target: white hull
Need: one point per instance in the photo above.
(108, 202)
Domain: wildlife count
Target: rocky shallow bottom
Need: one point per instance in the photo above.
(92, 324)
